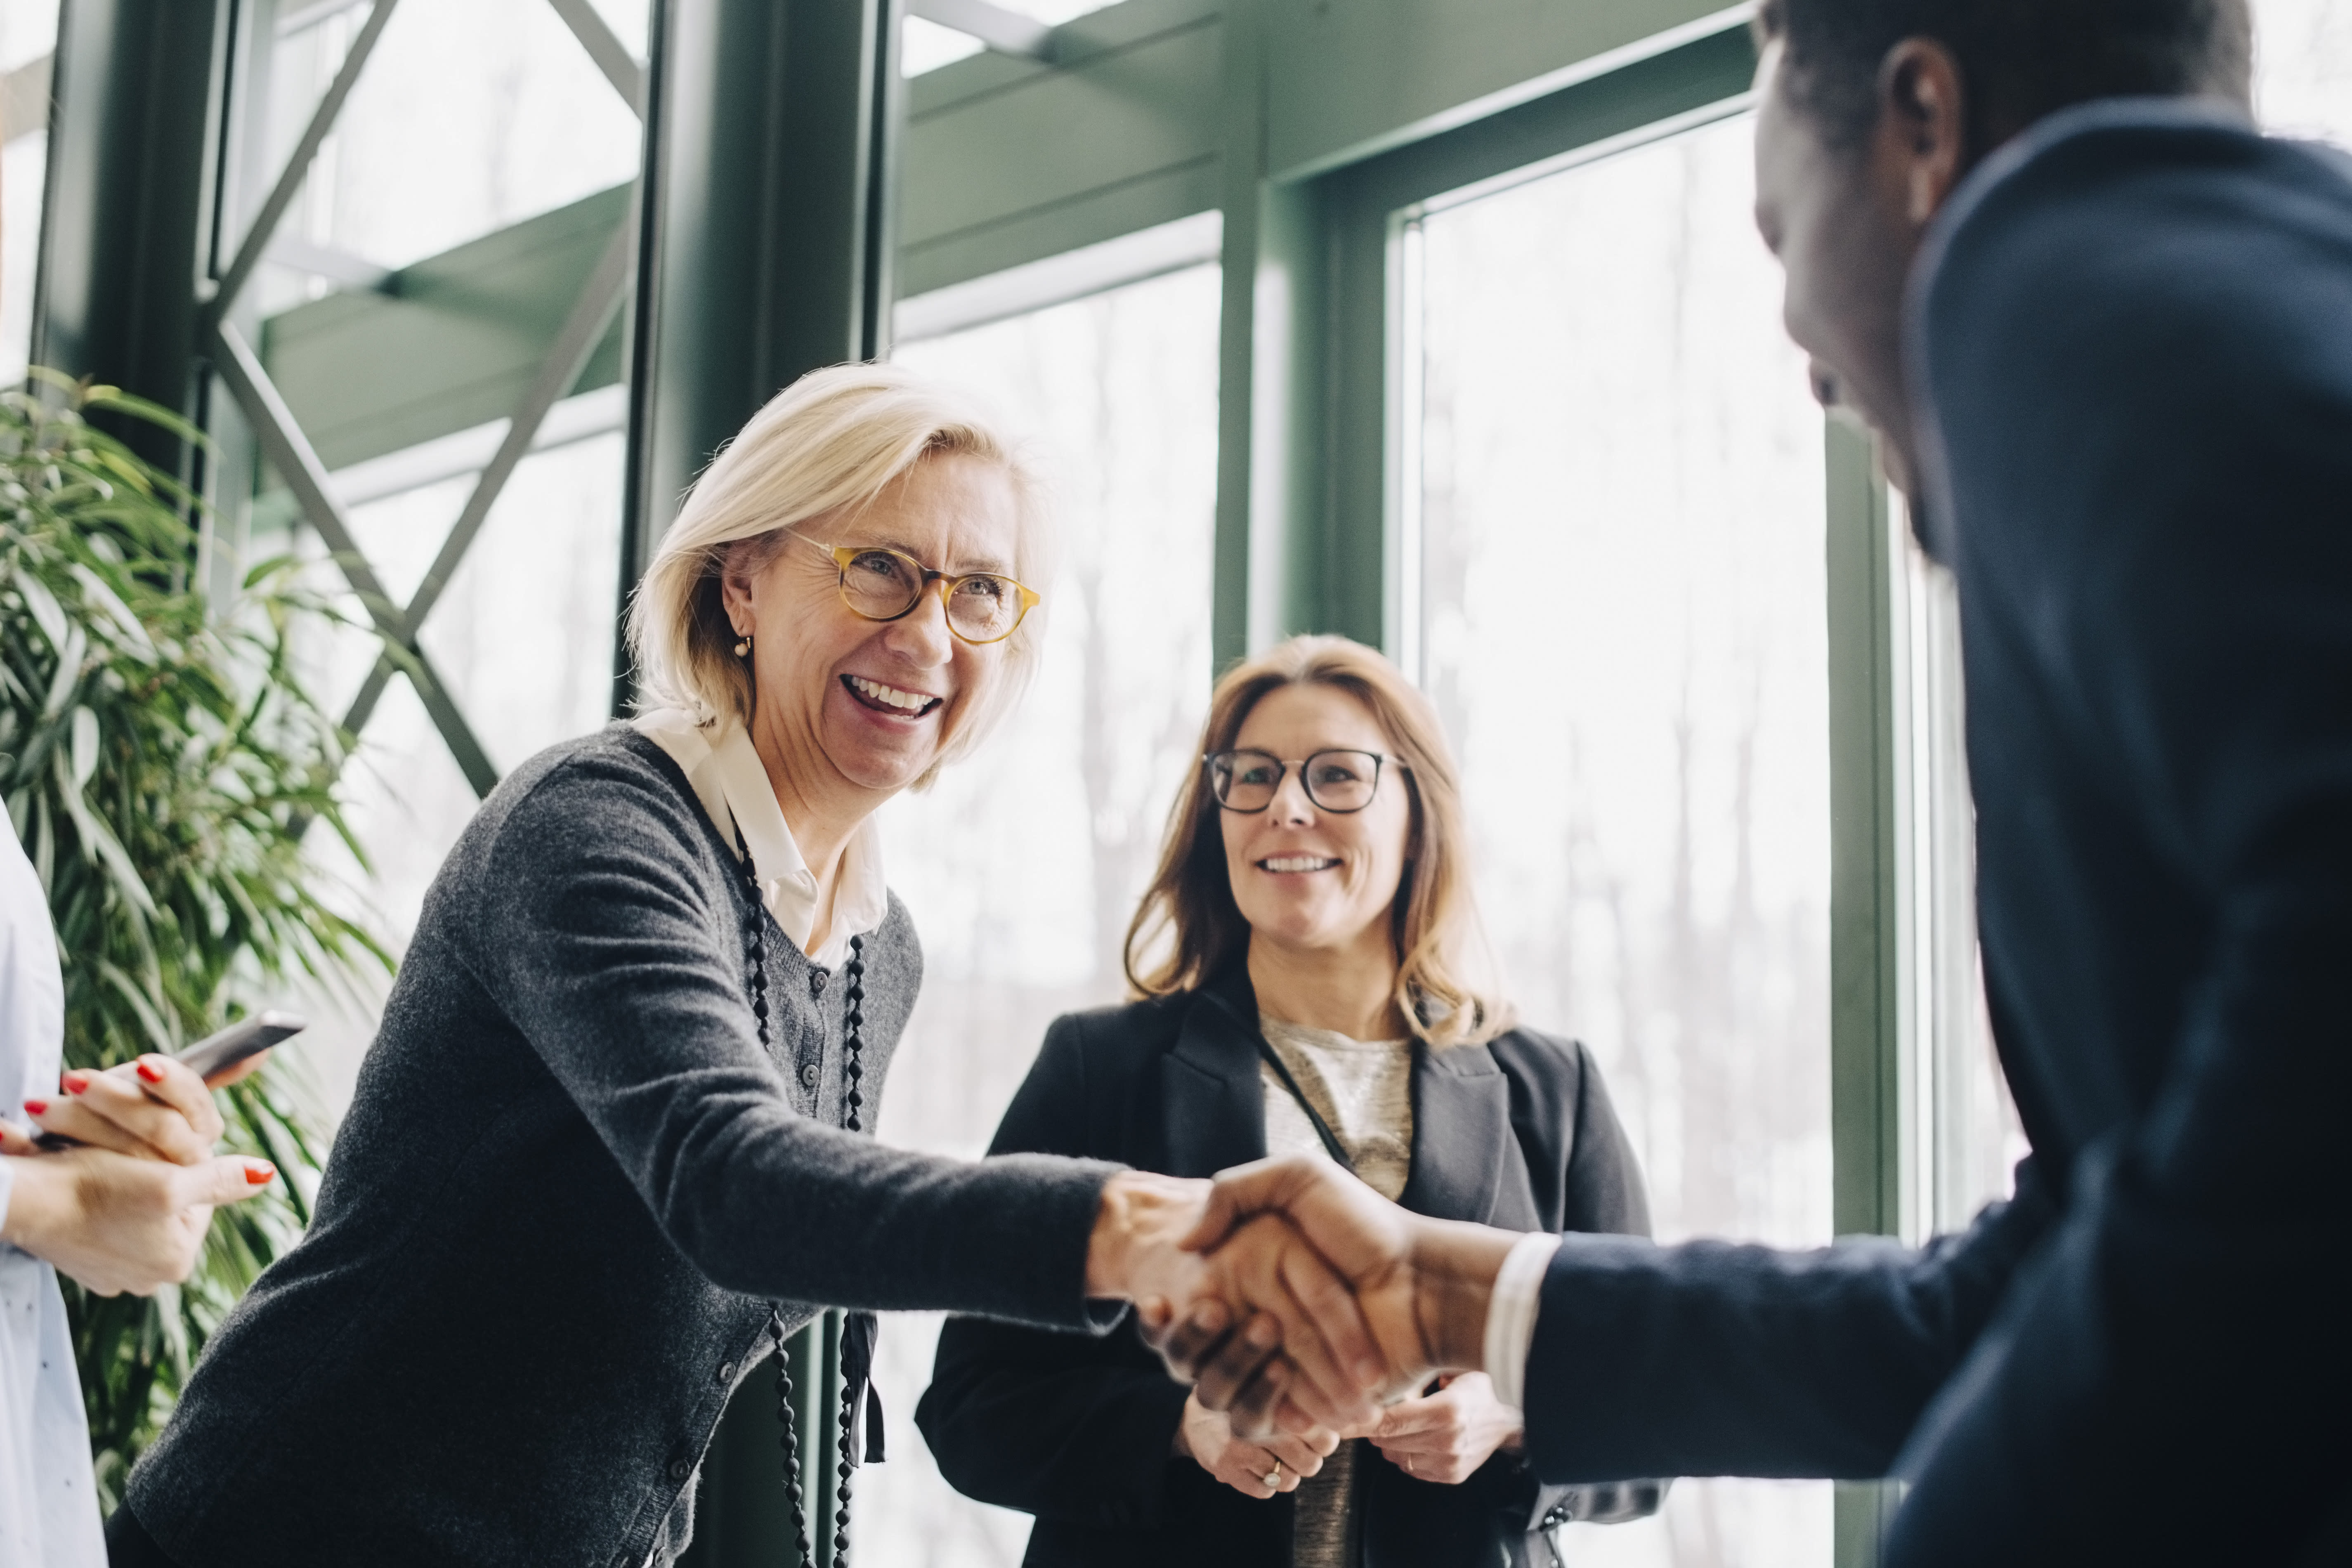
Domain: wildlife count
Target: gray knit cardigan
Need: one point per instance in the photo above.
(567, 1187)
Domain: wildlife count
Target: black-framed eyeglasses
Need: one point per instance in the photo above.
(880, 584)
(1337, 781)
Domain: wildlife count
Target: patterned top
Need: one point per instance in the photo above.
(1363, 1091)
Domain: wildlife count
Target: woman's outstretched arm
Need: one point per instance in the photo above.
(598, 905)
(1052, 1425)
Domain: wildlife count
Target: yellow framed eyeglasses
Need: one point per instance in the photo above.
(880, 584)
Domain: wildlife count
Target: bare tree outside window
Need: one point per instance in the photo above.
(1623, 628)
(1022, 866)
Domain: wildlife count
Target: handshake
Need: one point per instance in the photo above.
(1292, 1295)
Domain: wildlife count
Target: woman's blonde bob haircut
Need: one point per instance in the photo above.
(1189, 929)
(834, 440)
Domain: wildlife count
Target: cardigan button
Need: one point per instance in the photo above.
(817, 977)
(726, 1372)
(680, 1468)
(808, 1075)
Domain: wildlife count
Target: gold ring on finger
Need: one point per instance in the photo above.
(1273, 1477)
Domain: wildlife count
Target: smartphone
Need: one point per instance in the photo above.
(247, 1036)
(219, 1053)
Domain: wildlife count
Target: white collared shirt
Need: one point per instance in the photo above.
(49, 1499)
(1511, 1315)
(731, 782)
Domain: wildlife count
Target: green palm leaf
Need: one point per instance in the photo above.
(160, 758)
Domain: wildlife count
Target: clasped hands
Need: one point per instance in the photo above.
(126, 1207)
(1291, 1296)
(1441, 1437)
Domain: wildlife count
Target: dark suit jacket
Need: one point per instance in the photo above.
(1518, 1132)
(2131, 336)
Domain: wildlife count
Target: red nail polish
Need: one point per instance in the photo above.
(260, 1172)
(37, 1106)
(150, 1071)
(76, 1081)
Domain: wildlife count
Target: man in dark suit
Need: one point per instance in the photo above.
(2105, 330)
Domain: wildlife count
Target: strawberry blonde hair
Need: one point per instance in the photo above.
(1189, 929)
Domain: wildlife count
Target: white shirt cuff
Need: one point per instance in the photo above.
(1511, 1315)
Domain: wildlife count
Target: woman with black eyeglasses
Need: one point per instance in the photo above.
(1307, 958)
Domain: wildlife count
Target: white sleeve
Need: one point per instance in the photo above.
(1511, 1315)
(32, 993)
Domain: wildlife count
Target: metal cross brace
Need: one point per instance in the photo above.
(612, 57)
(290, 453)
(281, 196)
(592, 313)
(1007, 32)
(297, 462)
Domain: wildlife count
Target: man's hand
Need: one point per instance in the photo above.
(1446, 1436)
(1206, 1438)
(154, 1108)
(117, 1222)
(1310, 1356)
(1420, 1285)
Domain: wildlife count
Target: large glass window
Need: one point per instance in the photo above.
(1960, 1124)
(523, 636)
(1622, 620)
(29, 33)
(468, 117)
(1022, 866)
(2302, 68)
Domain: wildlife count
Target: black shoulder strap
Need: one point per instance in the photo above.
(1331, 1144)
(1273, 1058)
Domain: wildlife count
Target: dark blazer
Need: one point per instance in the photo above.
(2131, 340)
(1517, 1132)
(570, 1186)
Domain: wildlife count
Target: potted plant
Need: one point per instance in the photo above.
(161, 759)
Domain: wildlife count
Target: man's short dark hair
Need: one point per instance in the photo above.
(2019, 59)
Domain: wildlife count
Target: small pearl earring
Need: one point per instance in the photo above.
(743, 648)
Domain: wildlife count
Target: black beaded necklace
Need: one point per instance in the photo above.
(860, 1327)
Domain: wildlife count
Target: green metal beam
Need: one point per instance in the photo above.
(1865, 845)
(1361, 79)
(1314, 256)
(771, 153)
(129, 200)
(229, 283)
(1867, 924)
(452, 341)
(1247, 251)
(994, 176)
(765, 252)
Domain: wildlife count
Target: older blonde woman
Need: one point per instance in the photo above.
(1307, 960)
(607, 1149)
